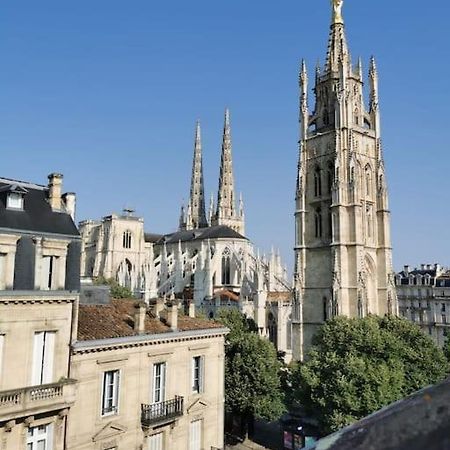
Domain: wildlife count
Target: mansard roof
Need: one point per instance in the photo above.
(116, 320)
(216, 232)
(36, 216)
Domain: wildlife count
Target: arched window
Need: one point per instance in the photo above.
(318, 223)
(317, 183)
(369, 222)
(330, 225)
(326, 117)
(330, 178)
(289, 333)
(368, 181)
(226, 267)
(126, 239)
(356, 116)
(325, 309)
(352, 174)
(272, 326)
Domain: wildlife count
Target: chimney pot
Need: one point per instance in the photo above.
(406, 269)
(172, 315)
(191, 309)
(69, 199)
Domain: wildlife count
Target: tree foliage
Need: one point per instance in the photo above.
(115, 289)
(252, 370)
(447, 346)
(357, 366)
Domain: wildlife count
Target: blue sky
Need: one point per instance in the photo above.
(108, 92)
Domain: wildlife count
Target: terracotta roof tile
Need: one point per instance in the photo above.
(117, 320)
(275, 295)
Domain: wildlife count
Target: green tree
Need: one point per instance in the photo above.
(357, 366)
(252, 372)
(115, 289)
(447, 346)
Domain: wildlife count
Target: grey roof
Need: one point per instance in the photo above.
(418, 422)
(216, 232)
(152, 237)
(37, 215)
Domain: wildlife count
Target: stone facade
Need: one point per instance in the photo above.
(157, 397)
(343, 246)
(424, 298)
(39, 276)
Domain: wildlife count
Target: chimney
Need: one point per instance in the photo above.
(172, 315)
(192, 308)
(69, 200)
(423, 266)
(54, 191)
(406, 269)
(140, 309)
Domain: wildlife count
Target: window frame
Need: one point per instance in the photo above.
(47, 436)
(115, 398)
(198, 374)
(162, 376)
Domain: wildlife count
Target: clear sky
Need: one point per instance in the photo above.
(107, 92)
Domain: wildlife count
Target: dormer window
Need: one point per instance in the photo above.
(14, 196)
(14, 200)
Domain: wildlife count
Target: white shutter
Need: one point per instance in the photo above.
(38, 355)
(193, 374)
(45, 272)
(163, 382)
(156, 442)
(2, 271)
(195, 437)
(49, 353)
(116, 390)
(2, 343)
(202, 374)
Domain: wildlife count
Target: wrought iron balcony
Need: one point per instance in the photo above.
(37, 399)
(161, 412)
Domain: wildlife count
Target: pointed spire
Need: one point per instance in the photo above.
(182, 217)
(337, 46)
(304, 99)
(360, 69)
(197, 194)
(225, 201)
(211, 209)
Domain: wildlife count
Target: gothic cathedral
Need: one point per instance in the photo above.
(343, 263)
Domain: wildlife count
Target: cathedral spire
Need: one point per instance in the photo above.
(225, 201)
(226, 213)
(197, 216)
(337, 46)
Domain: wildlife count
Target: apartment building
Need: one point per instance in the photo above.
(424, 298)
(149, 377)
(39, 283)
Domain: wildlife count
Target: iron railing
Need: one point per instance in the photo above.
(161, 412)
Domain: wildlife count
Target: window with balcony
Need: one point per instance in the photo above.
(43, 356)
(159, 382)
(197, 374)
(195, 435)
(40, 438)
(110, 392)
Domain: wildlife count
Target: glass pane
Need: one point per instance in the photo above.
(41, 445)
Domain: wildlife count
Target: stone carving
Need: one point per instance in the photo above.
(337, 10)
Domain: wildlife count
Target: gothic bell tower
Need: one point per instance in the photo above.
(343, 263)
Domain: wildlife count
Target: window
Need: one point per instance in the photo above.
(226, 267)
(368, 181)
(318, 223)
(195, 435)
(197, 374)
(110, 396)
(48, 272)
(159, 382)
(330, 178)
(2, 270)
(127, 239)
(14, 200)
(40, 438)
(43, 355)
(317, 183)
(155, 442)
(2, 343)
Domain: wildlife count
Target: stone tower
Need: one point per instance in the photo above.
(196, 212)
(343, 260)
(226, 213)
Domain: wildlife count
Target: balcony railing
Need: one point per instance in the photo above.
(161, 412)
(37, 399)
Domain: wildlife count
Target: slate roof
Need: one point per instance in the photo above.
(117, 320)
(152, 237)
(216, 232)
(37, 215)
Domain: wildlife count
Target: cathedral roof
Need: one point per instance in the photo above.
(152, 237)
(116, 320)
(216, 232)
(36, 215)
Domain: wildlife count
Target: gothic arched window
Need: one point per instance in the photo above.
(326, 117)
(318, 223)
(272, 326)
(368, 181)
(330, 178)
(369, 221)
(226, 267)
(317, 183)
(126, 239)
